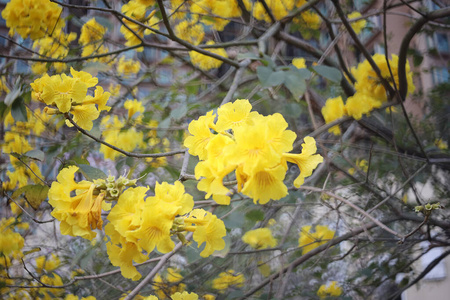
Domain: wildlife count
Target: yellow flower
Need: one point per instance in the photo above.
(329, 290)
(32, 18)
(136, 32)
(209, 8)
(91, 32)
(169, 284)
(306, 161)
(62, 91)
(334, 109)
(227, 279)
(174, 194)
(362, 164)
(47, 264)
(368, 83)
(260, 238)
(83, 115)
(234, 115)
(133, 107)
(80, 214)
(127, 67)
(264, 184)
(299, 63)
(208, 229)
(279, 8)
(184, 296)
(311, 240)
(358, 25)
(360, 104)
(190, 31)
(11, 243)
(441, 144)
(206, 62)
(200, 131)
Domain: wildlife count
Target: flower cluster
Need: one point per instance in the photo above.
(54, 46)
(260, 238)
(228, 279)
(370, 93)
(361, 164)
(133, 32)
(311, 240)
(91, 38)
(169, 284)
(359, 25)
(254, 146)
(69, 94)
(139, 223)
(206, 62)
(32, 18)
(329, 290)
(281, 9)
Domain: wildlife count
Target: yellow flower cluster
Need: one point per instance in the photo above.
(299, 63)
(329, 290)
(215, 13)
(91, 38)
(311, 240)
(169, 284)
(260, 238)
(228, 279)
(361, 164)
(137, 10)
(116, 132)
(54, 46)
(281, 8)
(69, 94)
(190, 31)
(137, 223)
(127, 67)
(11, 242)
(206, 62)
(47, 264)
(15, 141)
(359, 25)
(370, 93)
(254, 146)
(33, 18)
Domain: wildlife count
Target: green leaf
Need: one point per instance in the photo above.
(329, 73)
(34, 194)
(91, 173)
(179, 112)
(268, 77)
(19, 111)
(35, 154)
(255, 215)
(12, 96)
(3, 111)
(295, 82)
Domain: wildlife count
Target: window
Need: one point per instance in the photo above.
(440, 75)
(441, 42)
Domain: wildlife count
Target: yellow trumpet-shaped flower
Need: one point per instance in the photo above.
(208, 229)
(80, 214)
(260, 238)
(329, 290)
(306, 161)
(311, 240)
